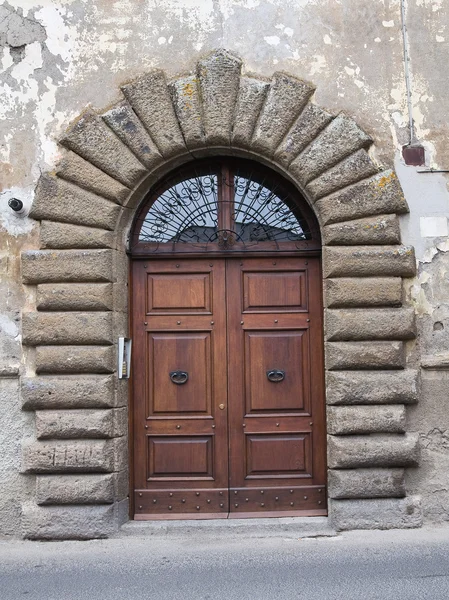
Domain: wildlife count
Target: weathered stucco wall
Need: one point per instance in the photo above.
(58, 57)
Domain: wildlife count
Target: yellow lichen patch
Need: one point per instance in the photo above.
(188, 89)
(385, 180)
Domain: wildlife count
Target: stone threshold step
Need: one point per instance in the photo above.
(296, 527)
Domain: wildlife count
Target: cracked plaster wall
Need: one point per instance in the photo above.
(56, 57)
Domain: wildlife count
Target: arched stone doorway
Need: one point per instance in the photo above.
(79, 281)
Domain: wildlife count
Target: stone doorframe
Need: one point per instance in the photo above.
(79, 281)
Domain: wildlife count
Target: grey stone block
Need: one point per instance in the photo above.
(308, 125)
(251, 96)
(69, 456)
(378, 195)
(366, 483)
(47, 266)
(126, 125)
(73, 424)
(75, 489)
(355, 167)
(60, 200)
(385, 513)
(369, 261)
(187, 103)
(219, 79)
(352, 420)
(94, 141)
(68, 392)
(83, 174)
(76, 296)
(338, 140)
(356, 324)
(79, 328)
(68, 522)
(364, 355)
(67, 236)
(383, 450)
(285, 100)
(364, 291)
(381, 229)
(75, 359)
(150, 100)
(372, 387)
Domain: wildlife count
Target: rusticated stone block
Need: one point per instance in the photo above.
(381, 194)
(150, 99)
(385, 513)
(351, 420)
(363, 291)
(125, 124)
(354, 324)
(68, 392)
(219, 78)
(47, 266)
(365, 355)
(355, 167)
(76, 296)
(73, 424)
(187, 103)
(372, 387)
(369, 261)
(353, 451)
(381, 229)
(286, 99)
(251, 96)
(68, 522)
(66, 236)
(366, 483)
(69, 456)
(75, 359)
(82, 173)
(79, 328)
(75, 489)
(92, 139)
(308, 125)
(338, 140)
(60, 200)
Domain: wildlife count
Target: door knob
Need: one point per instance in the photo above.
(179, 377)
(221, 406)
(275, 375)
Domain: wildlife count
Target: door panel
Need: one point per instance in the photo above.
(279, 291)
(180, 396)
(178, 353)
(265, 351)
(275, 383)
(228, 388)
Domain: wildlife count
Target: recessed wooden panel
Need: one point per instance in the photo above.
(174, 457)
(179, 351)
(178, 293)
(276, 350)
(277, 454)
(275, 291)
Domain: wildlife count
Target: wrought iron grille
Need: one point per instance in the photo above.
(223, 205)
(186, 212)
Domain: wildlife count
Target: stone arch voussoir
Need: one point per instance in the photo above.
(80, 274)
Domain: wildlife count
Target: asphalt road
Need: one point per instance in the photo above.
(358, 565)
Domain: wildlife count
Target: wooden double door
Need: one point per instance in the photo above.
(228, 395)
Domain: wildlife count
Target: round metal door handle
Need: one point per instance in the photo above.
(276, 375)
(179, 377)
(221, 406)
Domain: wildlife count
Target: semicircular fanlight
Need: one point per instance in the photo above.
(226, 205)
